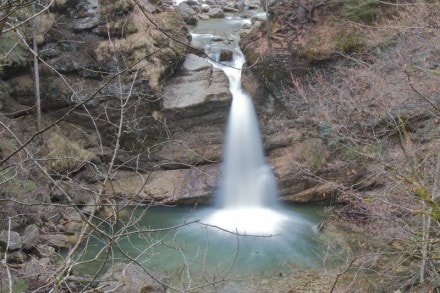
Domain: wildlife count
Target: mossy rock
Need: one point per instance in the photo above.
(114, 8)
(65, 156)
(14, 186)
(13, 55)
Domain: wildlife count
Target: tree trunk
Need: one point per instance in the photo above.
(36, 70)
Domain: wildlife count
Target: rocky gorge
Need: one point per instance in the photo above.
(133, 113)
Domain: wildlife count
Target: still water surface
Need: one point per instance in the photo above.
(183, 243)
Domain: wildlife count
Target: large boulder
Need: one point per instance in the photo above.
(195, 106)
(198, 83)
(216, 12)
(188, 13)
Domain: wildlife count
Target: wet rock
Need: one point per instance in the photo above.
(188, 13)
(11, 240)
(199, 83)
(205, 8)
(240, 5)
(216, 13)
(216, 38)
(230, 9)
(30, 237)
(198, 98)
(132, 278)
(226, 55)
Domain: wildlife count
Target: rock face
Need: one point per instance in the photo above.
(321, 115)
(195, 106)
(97, 54)
(181, 186)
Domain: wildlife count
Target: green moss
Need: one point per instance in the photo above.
(111, 8)
(118, 28)
(11, 185)
(317, 49)
(64, 155)
(365, 11)
(12, 52)
(323, 46)
(347, 41)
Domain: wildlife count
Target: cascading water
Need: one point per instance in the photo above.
(247, 188)
(247, 204)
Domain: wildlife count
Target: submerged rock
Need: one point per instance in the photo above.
(132, 278)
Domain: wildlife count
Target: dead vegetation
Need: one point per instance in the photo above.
(381, 104)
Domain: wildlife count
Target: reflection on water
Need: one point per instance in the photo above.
(176, 240)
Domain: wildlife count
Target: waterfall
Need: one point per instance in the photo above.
(247, 188)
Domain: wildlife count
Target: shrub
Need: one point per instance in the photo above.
(347, 41)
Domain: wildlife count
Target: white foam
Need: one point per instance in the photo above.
(249, 221)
